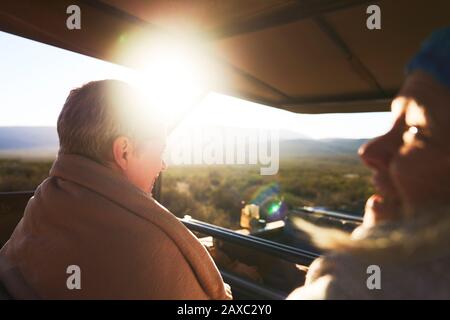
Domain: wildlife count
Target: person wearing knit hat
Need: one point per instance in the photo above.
(401, 251)
(434, 57)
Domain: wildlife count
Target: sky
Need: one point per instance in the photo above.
(35, 80)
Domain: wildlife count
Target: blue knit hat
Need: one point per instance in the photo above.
(434, 56)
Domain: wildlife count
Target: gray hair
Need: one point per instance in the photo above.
(95, 114)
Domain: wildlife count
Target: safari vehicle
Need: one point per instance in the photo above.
(303, 56)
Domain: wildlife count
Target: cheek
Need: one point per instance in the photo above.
(150, 166)
(421, 175)
(142, 171)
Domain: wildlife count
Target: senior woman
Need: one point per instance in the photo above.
(402, 249)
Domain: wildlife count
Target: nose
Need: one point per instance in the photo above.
(163, 165)
(378, 153)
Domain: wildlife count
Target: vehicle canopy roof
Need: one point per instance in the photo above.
(309, 56)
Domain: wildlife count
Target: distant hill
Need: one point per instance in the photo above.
(320, 148)
(28, 142)
(28, 137)
(39, 142)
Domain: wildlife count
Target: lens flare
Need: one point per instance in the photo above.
(272, 206)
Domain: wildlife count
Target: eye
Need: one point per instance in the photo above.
(414, 133)
(413, 130)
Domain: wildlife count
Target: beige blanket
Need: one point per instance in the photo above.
(126, 244)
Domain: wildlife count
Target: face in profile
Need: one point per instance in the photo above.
(139, 157)
(145, 164)
(411, 162)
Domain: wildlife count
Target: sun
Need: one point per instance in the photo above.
(172, 74)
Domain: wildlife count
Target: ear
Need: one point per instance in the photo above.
(121, 151)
